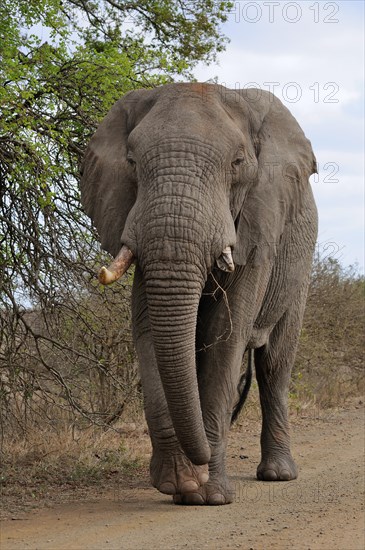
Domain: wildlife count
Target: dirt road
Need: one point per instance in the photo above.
(323, 509)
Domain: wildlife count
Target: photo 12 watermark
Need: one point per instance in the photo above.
(289, 92)
(288, 12)
(326, 173)
(294, 493)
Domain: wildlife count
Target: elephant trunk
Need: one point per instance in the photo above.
(173, 305)
(182, 233)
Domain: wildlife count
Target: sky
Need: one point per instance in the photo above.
(311, 55)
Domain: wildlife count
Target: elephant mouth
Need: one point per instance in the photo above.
(125, 258)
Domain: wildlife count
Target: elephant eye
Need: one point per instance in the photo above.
(131, 160)
(239, 160)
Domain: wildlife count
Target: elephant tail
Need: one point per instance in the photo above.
(243, 387)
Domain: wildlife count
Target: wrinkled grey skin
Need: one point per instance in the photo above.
(178, 173)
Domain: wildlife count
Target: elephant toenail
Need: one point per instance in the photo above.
(167, 488)
(204, 478)
(193, 498)
(189, 486)
(177, 499)
(269, 475)
(189, 498)
(216, 499)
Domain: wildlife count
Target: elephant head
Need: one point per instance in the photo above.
(188, 177)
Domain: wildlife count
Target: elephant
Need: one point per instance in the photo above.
(207, 190)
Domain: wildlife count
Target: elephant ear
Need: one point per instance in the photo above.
(108, 182)
(285, 162)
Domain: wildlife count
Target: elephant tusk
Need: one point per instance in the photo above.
(225, 260)
(117, 268)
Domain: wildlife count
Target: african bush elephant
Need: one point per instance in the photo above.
(207, 190)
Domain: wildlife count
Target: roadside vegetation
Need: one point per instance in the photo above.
(329, 366)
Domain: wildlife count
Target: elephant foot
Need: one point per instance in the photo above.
(213, 493)
(173, 474)
(277, 469)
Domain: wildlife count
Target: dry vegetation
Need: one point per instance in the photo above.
(71, 404)
(329, 366)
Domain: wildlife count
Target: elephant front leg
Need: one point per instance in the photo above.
(273, 364)
(217, 490)
(218, 374)
(170, 470)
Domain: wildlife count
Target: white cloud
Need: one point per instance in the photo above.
(325, 63)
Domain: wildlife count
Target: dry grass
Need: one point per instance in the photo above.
(37, 468)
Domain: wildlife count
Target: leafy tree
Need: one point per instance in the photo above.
(63, 63)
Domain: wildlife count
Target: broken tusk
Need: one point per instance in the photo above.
(225, 260)
(117, 268)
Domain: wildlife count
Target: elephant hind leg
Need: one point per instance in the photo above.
(273, 365)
